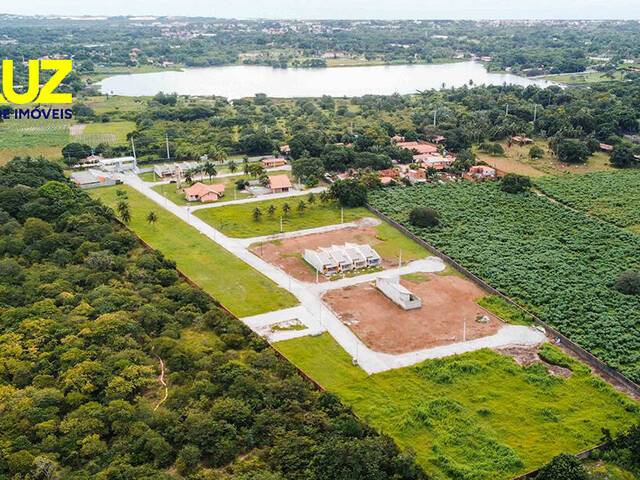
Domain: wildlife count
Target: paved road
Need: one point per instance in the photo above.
(223, 175)
(260, 198)
(317, 317)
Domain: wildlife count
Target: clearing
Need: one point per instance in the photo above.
(237, 220)
(479, 415)
(240, 288)
(287, 253)
(448, 309)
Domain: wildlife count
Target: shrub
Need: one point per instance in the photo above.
(629, 283)
(536, 152)
(349, 192)
(514, 183)
(563, 467)
(424, 217)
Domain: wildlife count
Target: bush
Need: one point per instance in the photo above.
(536, 152)
(514, 183)
(629, 283)
(424, 217)
(563, 467)
(349, 192)
(622, 156)
(573, 151)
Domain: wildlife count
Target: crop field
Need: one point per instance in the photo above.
(560, 264)
(34, 133)
(226, 278)
(475, 416)
(611, 196)
(237, 220)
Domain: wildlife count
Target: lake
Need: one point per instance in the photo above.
(247, 80)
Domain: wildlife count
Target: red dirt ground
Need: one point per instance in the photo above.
(287, 253)
(447, 301)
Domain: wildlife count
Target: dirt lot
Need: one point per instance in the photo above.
(527, 355)
(447, 301)
(287, 253)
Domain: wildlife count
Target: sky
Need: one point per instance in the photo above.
(338, 9)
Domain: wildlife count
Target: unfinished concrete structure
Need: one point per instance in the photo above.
(391, 287)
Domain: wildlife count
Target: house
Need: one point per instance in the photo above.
(480, 172)
(417, 176)
(437, 161)
(355, 255)
(285, 149)
(321, 261)
(521, 140)
(118, 164)
(370, 255)
(279, 183)
(389, 172)
(92, 160)
(391, 287)
(605, 147)
(420, 147)
(439, 138)
(340, 257)
(88, 180)
(387, 180)
(397, 138)
(273, 162)
(203, 193)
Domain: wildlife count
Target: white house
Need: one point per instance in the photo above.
(357, 258)
(370, 255)
(340, 257)
(391, 287)
(321, 261)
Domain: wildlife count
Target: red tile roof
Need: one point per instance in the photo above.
(604, 146)
(277, 182)
(199, 189)
(420, 147)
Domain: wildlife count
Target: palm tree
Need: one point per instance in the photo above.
(123, 211)
(152, 217)
(219, 155)
(188, 176)
(257, 213)
(233, 167)
(245, 165)
(271, 210)
(286, 208)
(301, 206)
(210, 169)
(312, 198)
(325, 196)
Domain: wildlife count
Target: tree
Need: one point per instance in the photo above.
(311, 199)
(152, 217)
(301, 206)
(245, 165)
(514, 183)
(271, 210)
(286, 208)
(628, 283)
(325, 196)
(210, 169)
(572, 151)
(256, 144)
(622, 156)
(563, 467)
(233, 166)
(74, 152)
(123, 211)
(256, 170)
(349, 192)
(257, 213)
(424, 217)
(536, 152)
(306, 167)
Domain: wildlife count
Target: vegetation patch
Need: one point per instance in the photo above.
(503, 309)
(472, 416)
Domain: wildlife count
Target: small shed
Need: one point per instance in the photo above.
(391, 287)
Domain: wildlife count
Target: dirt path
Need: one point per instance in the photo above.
(163, 383)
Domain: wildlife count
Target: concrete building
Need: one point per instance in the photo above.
(372, 257)
(321, 261)
(87, 180)
(118, 164)
(391, 287)
(342, 258)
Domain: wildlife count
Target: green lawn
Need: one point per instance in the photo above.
(237, 220)
(473, 416)
(50, 153)
(116, 130)
(581, 78)
(232, 282)
(34, 133)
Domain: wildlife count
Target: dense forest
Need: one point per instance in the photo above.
(92, 324)
(520, 46)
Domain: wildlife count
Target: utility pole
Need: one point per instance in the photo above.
(506, 111)
(400, 260)
(280, 223)
(166, 138)
(535, 113)
(135, 160)
(435, 112)
(341, 214)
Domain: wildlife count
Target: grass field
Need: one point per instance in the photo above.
(582, 78)
(34, 133)
(473, 416)
(232, 282)
(50, 153)
(237, 220)
(117, 129)
(516, 159)
(113, 103)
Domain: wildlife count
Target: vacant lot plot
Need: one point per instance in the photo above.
(447, 307)
(477, 416)
(108, 132)
(386, 240)
(559, 263)
(612, 196)
(228, 279)
(34, 133)
(238, 221)
(516, 159)
(50, 153)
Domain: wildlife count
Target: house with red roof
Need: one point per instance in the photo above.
(606, 147)
(420, 147)
(273, 162)
(279, 183)
(199, 192)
